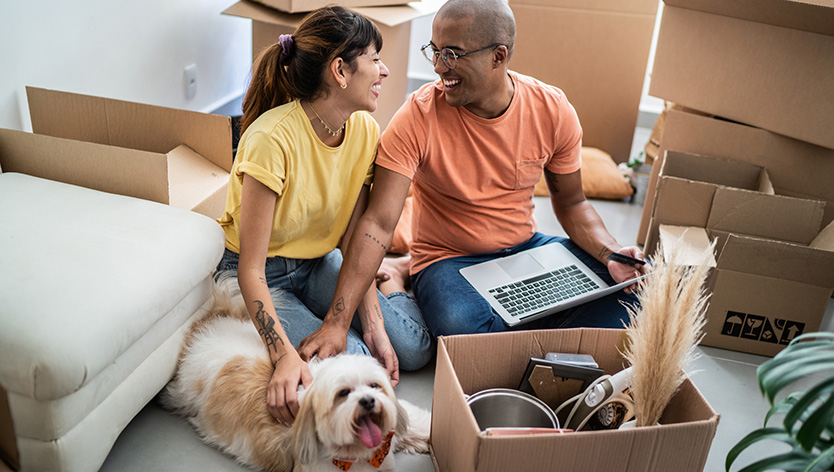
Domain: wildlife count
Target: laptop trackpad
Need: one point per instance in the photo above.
(519, 265)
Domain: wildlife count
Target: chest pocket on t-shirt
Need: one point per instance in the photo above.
(528, 172)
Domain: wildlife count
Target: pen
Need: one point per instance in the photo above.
(623, 259)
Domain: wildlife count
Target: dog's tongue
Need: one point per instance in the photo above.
(369, 432)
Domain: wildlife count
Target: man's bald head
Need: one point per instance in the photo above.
(492, 20)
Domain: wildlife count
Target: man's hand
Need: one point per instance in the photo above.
(330, 339)
(282, 391)
(380, 347)
(621, 272)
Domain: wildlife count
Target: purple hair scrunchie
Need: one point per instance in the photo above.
(286, 42)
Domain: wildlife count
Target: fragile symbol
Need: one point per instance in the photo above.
(760, 328)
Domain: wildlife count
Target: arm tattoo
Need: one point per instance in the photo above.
(262, 279)
(378, 313)
(553, 179)
(338, 306)
(604, 252)
(279, 359)
(373, 238)
(267, 328)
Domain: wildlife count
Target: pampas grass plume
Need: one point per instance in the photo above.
(664, 329)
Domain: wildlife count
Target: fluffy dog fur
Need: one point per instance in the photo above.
(221, 382)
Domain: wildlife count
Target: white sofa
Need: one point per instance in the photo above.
(96, 291)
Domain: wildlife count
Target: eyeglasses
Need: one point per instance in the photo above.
(449, 57)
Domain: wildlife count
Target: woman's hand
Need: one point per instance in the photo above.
(380, 347)
(621, 272)
(282, 391)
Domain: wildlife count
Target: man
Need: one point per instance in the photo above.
(474, 144)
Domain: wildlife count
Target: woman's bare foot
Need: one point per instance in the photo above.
(393, 275)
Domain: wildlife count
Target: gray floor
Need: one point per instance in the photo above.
(157, 440)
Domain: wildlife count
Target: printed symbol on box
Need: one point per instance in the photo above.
(733, 323)
(792, 330)
(768, 333)
(752, 327)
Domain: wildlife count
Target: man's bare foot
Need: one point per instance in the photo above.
(393, 275)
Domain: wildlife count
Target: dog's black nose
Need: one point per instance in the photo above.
(367, 403)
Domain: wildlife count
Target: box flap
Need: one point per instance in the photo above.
(765, 185)
(449, 403)
(777, 217)
(713, 169)
(816, 16)
(111, 169)
(130, 125)
(688, 242)
(388, 16)
(683, 202)
(191, 178)
(646, 7)
(300, 6)
(778, 260)
(825, 240)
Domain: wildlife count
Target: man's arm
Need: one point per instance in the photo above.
(368, 245)
(584, 226)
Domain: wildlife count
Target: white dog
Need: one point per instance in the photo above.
(349, 417)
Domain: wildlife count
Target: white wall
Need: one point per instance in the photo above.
(128, 50)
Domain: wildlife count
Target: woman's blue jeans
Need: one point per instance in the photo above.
(305, 292)
(450, 305)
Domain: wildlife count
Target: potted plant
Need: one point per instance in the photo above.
(808, 423)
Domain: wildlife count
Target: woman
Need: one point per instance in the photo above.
(299, 183)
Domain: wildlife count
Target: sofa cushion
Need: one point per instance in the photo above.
(85, 275)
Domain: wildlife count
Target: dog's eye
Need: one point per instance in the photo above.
(373, 385)
(344, 392)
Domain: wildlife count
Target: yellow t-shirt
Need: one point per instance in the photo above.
(317, 185)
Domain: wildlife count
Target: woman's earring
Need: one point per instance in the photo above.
(344, 86)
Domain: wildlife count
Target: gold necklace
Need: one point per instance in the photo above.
(329, 130)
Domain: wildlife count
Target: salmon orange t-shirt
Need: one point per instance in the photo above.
(473, 178)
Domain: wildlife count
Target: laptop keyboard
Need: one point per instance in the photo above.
(543, 290)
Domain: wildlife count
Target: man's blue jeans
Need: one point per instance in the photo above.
(305, 289)
(450, 305)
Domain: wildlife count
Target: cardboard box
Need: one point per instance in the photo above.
(764, 292)
(470, 363)
(597, 53)
(393, 22)
(170, 156)
(796, 168)
(766, 63)
(300, 6)
(774, 272)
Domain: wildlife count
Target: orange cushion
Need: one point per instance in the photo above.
(600, 177)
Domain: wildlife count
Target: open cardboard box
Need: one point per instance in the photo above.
(301, 6)
(596, 52)
(774, 269)
(765, 292)
(796, 168)
(470, 363)
(393, 22)
(766, 63)
(170, 156)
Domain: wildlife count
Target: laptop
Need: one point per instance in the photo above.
(537, 282)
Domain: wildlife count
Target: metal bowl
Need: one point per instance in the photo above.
(507, 408)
